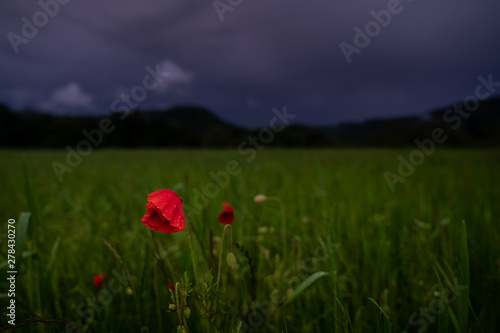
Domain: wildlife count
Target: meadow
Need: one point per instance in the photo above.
(333, 250)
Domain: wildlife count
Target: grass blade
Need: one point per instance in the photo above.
(22, 227)
(342, 320)
(463, 265)
(443, 319)
(53, 255)
(454, 321)
(306, 283)
(384, 324)
(33, 204)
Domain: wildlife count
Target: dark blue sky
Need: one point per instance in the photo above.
(263, 54)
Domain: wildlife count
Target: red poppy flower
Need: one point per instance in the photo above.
(227, 215)
(99, 280)
(165, 212)
(171, 287)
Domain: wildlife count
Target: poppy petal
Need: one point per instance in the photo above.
(169, 205)
(165, 212)
(152, 217)
(227, 215)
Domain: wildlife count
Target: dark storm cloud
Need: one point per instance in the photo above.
(264, 54)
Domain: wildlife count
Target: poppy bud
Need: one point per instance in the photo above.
(260, 198)
(227, 215)
(231, 261)
(99, 280)
(186, 312)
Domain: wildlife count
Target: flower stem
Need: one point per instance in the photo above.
(283, 224)
(228, 226)
(283, 228)
(159, 259)
(193, 259)
(230, 239)
(178, 304)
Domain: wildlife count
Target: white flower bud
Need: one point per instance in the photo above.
(260, 198)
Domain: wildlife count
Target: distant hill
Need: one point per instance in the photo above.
(196, 127)
(181, 126)
(480, 128)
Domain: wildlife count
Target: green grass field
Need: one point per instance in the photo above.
(407, 250)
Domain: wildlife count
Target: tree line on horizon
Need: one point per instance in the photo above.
(197, 127)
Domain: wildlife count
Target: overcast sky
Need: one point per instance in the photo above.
(241, 60)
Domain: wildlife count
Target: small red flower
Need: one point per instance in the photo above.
(165, 212)
(171, 287)
(99, 280)
(227, 215)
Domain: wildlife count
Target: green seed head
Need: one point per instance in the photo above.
(231, 261)
(186, 312)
